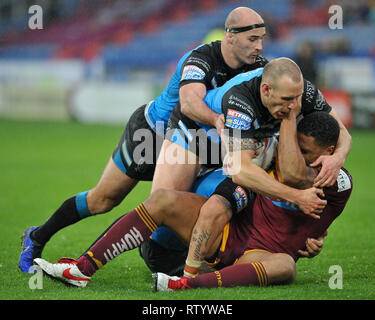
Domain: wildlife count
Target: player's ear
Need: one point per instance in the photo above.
(265, 89)
(229, 37)
(330, 149)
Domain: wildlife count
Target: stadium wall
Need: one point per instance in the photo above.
(62, 90)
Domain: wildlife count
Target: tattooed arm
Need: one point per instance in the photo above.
(245, 173)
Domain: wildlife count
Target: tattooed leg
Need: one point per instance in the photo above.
(213, 216)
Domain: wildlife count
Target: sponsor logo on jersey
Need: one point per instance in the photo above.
(236, 102)
(192, 73)
(238, 120)
(241, 198)
(343, 181)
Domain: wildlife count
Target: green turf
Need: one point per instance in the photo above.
(42, 164)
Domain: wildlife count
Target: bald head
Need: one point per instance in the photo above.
(281, 87)
(242, 16)
(243, 40)
(279, 68)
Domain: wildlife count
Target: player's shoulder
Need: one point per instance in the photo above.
(313, 99)
(244, 88)
(246, 77)
(208, 51)
(202, 58)
(239, 107)
(260, 62)
(309, 91)
(209, 48)
(340, 192)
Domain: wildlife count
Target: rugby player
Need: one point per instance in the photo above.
(261, 246)
(206, 67)
(263, 243)
(254, 103)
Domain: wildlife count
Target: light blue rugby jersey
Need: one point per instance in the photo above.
(161, 108)
(215, 96)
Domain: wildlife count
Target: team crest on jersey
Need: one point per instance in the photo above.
(241, 198)
(238, 120)
(192, 73)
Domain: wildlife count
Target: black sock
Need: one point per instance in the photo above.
(64, 216)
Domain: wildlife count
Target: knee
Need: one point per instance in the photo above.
(99, 203)
(286, 268)
(216, 210)
(161, 200)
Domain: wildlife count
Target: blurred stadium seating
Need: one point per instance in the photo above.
(141, 40)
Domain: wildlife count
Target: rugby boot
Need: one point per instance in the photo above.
(64, 270)
(164, 282)
(30, 251)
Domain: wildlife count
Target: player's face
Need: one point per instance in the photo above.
(282, 99)
(310, 150)
(248, 45)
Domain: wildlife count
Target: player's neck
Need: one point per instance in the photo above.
(229, 59)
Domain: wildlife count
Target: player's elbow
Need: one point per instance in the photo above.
(187, 109)
(237, 178)
(297, 178)
(186, 103)
(291, 179)
(242, 176)
(184, 108)
(238, 173)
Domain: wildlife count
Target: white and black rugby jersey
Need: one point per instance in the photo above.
(239, 100)
(206, 64)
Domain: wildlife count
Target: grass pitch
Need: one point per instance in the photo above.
(43, 164)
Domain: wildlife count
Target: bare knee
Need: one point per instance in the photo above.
(280, 268)
(160, 203)
(288, 270)
(111, 189)
(101, 203)
(216, 211)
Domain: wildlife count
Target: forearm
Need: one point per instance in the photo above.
(196, 109)
(193, 105)
(292, 165)
(244, 172)
(343, 145)
(344, 142)
(255, 178)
